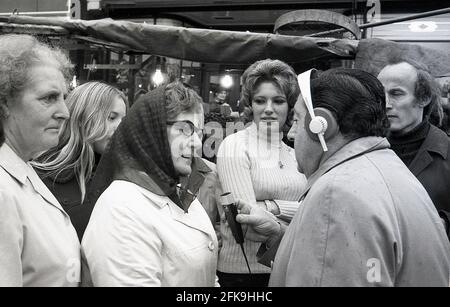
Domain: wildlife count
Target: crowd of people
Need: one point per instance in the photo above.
(96, 193)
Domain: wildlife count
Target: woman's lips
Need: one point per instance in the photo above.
(53, 129)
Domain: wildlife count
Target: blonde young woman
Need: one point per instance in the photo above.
(96, 109)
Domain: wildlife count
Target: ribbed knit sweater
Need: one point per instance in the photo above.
(254, 168)
(407, 145)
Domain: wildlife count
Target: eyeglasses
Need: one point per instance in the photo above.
(186, 127)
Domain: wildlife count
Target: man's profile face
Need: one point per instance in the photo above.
(307, 151)
(402, 107)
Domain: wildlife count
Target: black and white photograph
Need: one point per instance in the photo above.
(228, 151)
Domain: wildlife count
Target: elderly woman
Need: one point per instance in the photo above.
(147, 228)
(257, 167)
(96, 109)
(38, 244)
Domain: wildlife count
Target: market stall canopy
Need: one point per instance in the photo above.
(201, 45)
(232, 47)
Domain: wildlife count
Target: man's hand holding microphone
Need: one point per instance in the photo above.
(258, 224)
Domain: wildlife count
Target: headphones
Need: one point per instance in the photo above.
(320, 123)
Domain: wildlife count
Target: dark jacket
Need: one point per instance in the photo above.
(68, 193)
(431, 166)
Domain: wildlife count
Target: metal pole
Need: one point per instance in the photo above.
(386, 22)
(410, 17)
(131, 80)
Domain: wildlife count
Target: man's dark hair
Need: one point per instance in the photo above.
(426, 89)
(355, 97)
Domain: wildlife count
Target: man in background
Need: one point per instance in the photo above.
(413, 104)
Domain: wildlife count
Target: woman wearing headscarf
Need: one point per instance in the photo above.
(147, 228)
(38, 244)
(96, 110)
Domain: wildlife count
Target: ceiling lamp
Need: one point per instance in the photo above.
(226, 81)
(158, 77)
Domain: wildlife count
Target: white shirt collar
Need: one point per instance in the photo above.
(13, 164)
(21, 171)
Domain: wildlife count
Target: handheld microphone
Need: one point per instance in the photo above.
(230, 209)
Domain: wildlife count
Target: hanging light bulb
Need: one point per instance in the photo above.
(226, 81)
(158, 77)
(74, 82)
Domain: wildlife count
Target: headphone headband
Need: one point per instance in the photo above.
(317, 126)
(304, 82)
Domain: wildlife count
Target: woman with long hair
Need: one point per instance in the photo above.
(96, 109)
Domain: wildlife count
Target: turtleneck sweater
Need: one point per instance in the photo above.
(407, 145)
(255, 166)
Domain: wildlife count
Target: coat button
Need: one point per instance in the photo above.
(211, 246)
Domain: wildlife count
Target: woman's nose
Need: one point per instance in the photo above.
(62, 112)
(116, 125)
(196, 142)
(269, 108)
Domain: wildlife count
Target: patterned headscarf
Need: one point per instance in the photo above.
(139, 152)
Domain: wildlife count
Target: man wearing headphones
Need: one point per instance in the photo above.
(365, 220)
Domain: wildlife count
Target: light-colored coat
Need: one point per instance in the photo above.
(138, 238)
(38, 244)
(365, 221)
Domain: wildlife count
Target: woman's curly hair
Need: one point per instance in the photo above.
(275, 71)
(18, 52)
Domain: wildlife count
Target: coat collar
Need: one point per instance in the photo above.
(349, 151)
(199, 172)
(437, 142)
(178, 214)
(21, 171)
(12, 164)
